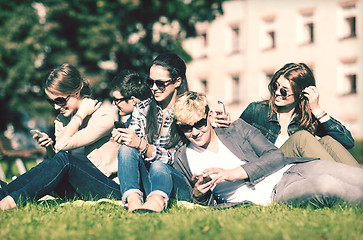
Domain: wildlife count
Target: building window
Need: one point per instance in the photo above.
(235, 90)
(235, 40)
(201, 45)
(351, 81)
(347, 20)
(347, 81)
(268, 34)
(306, 28)
(204, 86)
(265, 79)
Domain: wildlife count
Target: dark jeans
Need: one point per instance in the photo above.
(62, 170)
(137, 175)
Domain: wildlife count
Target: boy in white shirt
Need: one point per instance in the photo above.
(245, 167)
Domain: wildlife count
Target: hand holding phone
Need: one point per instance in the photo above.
(205, 179)
(37, 133)
(222, 118)
(119, 124)
(223, 107)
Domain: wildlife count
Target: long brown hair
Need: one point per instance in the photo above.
(176, 68)
(300, 76)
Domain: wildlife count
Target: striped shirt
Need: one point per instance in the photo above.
(138, 124)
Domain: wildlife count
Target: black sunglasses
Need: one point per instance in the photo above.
(117, 101)
(60, 101)
(283, 91)
(186, 128)
(159, 83)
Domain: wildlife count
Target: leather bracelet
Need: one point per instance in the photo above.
(320, 117)
(144, 151)
(138, 145)
(320, 114)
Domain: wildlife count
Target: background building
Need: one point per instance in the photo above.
(235, 55)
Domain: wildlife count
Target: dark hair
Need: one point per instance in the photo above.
(66, 79)
(176, 68)
(300, 76)
(131, 83)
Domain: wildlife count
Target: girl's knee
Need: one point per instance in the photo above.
(158, 166)
(303, 134)
(125, 152)
(61, 156)
(328, 140)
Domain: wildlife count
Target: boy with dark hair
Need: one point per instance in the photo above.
(127, 89)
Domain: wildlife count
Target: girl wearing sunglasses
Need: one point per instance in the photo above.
(292, 117)
(151, 139)
(83, 158)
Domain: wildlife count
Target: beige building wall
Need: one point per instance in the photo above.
(233, 56)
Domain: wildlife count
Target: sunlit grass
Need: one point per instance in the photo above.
(51, 220)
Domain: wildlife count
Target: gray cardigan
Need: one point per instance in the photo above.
(248, 144)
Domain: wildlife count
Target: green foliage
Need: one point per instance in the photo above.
(84, 33)
(357, 151)
(49, 220)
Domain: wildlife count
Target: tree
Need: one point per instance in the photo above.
(98, 37)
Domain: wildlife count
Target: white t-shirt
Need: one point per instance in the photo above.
(200, 159)
(280, 140)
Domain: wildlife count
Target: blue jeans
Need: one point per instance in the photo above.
(320, 183)
(62, 169)
(137, 175)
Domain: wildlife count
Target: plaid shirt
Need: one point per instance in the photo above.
(138, 124)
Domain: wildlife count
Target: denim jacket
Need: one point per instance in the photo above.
(257, 114)
(248, 144)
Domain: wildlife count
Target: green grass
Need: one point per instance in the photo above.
(108, 221)
(357, 151)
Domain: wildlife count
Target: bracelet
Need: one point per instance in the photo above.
(144, 151)
(320, 117)
(138, 145)
(320, 114)
(78, 118)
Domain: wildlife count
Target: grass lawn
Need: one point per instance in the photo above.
(50, 220)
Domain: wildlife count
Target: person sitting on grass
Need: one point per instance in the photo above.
(238, 164)
(127, 89)
(150, 141)
(83, 158)
(294, 121)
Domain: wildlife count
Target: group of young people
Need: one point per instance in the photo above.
(285, 149)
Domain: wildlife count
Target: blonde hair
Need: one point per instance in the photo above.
(190, 106)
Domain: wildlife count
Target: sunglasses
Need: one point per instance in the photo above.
(186, 128)
(60, 101)
(283, 91)
(159, 83)
(117, 101)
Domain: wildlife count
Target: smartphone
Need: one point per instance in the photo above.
(206, 179)
(34, 131)
(222, 107)
(119, 124)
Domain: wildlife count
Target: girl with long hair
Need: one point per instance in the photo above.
(292, 117)
(83, 158)
(151, 139)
